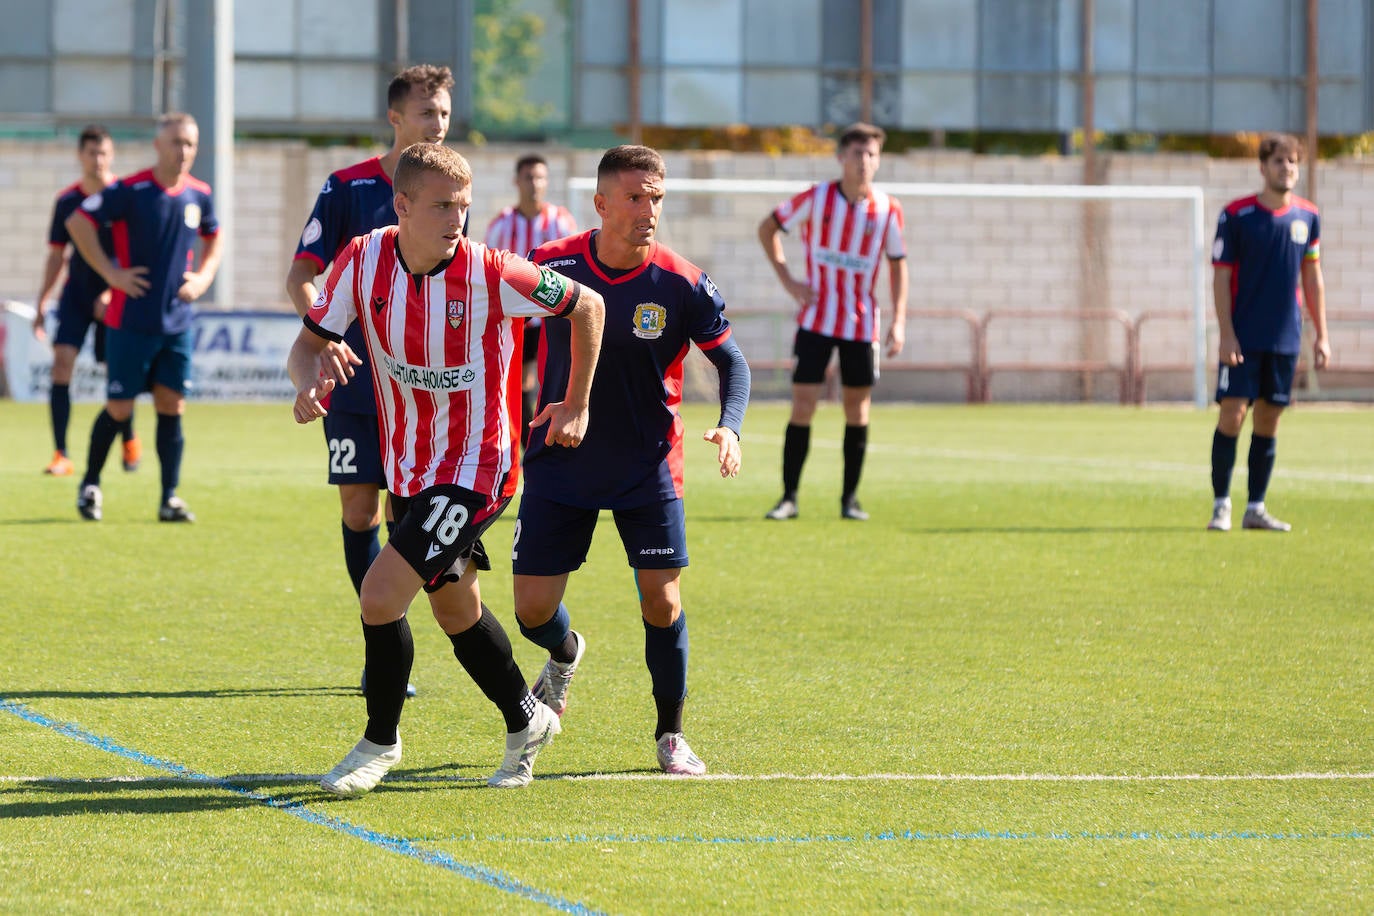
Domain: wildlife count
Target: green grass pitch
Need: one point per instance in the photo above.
(1031, 682)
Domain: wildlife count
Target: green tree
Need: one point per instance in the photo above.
(505, 53)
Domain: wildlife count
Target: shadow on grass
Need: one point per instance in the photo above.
(204, 694)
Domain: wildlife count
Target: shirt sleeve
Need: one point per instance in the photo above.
(894, 242)
(795, 210)
(735, 382)
(320, 238)
(337, 305)
(209, 222)
(107, 206)
(1224, 246)
(566, 224)
(57, 231)
(493, 238)
(1313, 251)
(536, 290)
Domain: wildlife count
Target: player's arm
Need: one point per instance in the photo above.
(735, 382)
(194, 283)
(132, 281)
(567, 418)
(898, 279)
(770, 237)
(302, 364)
(1314, 294)
(1228, 350)
(337, 359)
(52, 270)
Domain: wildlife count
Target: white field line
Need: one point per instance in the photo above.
(1113, 464)
(288, 778)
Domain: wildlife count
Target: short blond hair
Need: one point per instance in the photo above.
(418, 159)
(175, 119)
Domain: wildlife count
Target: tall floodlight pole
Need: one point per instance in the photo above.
(210, 99)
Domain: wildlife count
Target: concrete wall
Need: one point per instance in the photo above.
(983, 255)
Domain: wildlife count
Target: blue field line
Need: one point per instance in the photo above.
(399, 845)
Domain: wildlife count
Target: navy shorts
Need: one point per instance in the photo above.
(858, 360)
(137, 361)
(1261, 375)
(553, 538)
(439, 530)
(72, 325)
(355, 448)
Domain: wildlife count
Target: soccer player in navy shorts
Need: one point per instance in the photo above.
(353, 202)
(439, 315)
(82, 301)
(156, 216)
(657, 305)
(848, 227)
(1268, 247)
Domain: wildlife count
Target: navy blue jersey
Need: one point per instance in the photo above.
(156, 228)
(1265, 250)
(83, 284)
(353, 202)
(632, 453)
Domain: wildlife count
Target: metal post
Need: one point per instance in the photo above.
(210, 100)
(634, 73)
(866, 61)
(1313, 79)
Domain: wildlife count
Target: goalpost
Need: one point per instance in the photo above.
(713, 221)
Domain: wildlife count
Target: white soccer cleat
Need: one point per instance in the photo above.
(1258, 519)
(675, 757)
(360, 771)
(551, 688)
(517, 769)
(785, 509)
(1221, 517)
(88, 502)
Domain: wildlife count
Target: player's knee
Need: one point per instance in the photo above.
(360, 508)
(660, 610)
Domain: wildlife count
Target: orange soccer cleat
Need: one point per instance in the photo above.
(133, 453)
(60, 466)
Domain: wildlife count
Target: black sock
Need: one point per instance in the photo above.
(855, 447)
(484, 651)
(390, 651)
(795, 444)
(1223, 462)
(126, 431)
(170, 445)
(1263, 450)
(60, 406)
(360, 549)
(665, 652)
(103, 433)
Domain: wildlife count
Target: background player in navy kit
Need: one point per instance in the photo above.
(157, 216)
(657, 305)
(353, 202)
(82, 301)
(1267, 247)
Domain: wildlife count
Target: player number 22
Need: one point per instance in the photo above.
(342, 452)
(453, 520)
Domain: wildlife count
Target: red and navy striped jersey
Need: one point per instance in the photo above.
(844, 244)
(353, 202)
(157, 228)
(632, 452)
(1265, 250)
(443, 344)
(83, 285)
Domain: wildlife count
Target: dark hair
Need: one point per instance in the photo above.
(426, 78)
(1276, 143)
(631, 159)
(529, 160)
(92, 133)
(861, 133)
(420, 158)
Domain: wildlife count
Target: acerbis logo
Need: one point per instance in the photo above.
(657, 552)
(561, 262)
(361, 181)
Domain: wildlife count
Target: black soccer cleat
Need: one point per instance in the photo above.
(175, 510)
(850, 509)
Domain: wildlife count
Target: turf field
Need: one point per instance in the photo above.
(1031, 682)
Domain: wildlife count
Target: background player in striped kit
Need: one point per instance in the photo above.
(521, 229)
(847, 227)
(437, 317)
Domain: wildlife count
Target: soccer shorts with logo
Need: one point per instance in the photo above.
(858, 360)
(439, 531)
(355, 448)
(553, 538)
(1260, 375)
(136, 361)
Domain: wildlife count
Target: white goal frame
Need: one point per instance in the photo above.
(1190, 193)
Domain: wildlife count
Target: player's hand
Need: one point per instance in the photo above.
(193, 286)
(1321, 353)
(801, 293)
(102, 302)
(308, 407)
(40, 326)
(337, 361)
(728, 451)
(131, 281)
(896, 339)
(1228, 351)
(567, 424)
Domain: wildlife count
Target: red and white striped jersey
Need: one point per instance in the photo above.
(514, 231)
(844, 244)
(441, 346)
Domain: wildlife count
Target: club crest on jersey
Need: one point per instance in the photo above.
(650, 321)
(192, 216)
(1297, 231)
(457, 308)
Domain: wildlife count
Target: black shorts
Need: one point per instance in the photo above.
(858, 360)
(529, 343)
(439, 531)
(1261, 375)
